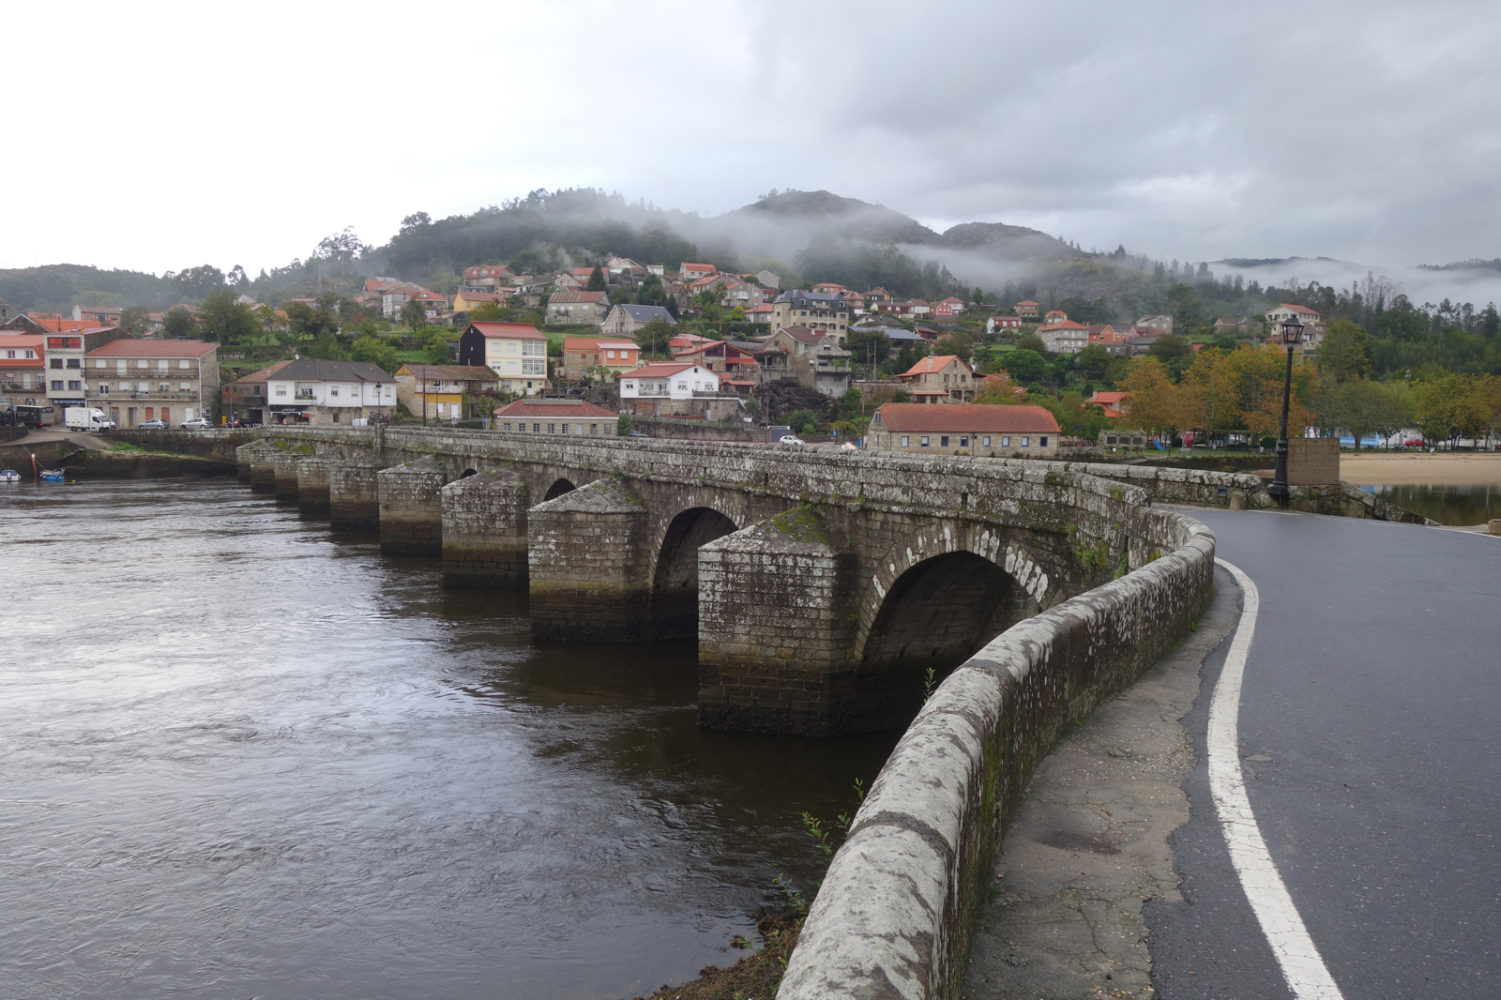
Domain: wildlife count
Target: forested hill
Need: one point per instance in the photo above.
(803, 236)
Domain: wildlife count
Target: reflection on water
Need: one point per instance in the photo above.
(240, 758)
(1455, 505)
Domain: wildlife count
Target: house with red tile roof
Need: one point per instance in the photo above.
(812, 358)
(23, 367)
(941, 378)
(1009, 431)
(490, 276)
(244, 399)
(1064, 336)
(572, 307)
(1113, 404)
(721, 357)
(135, 380)
(689, 273)
(561, 417)
(607, 356)
(517, 352)
(1027, 309)
(669, 388)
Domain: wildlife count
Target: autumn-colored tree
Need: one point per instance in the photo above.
(1210, 395)
(1259, 376)
(1153, 401)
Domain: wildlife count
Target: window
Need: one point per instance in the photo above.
(184, 363)
(75, 385)
(1005, 440)
(57, 385)
(104, 388)
(906, 441)
(1042, 442)
(943, 441)
(985, 441)
(1026, 441)
(964, 440)
(281, 390)
(923, 441)
(55, 363)
(536, 428)
(506, 426)
(552, 428)
(333, 390)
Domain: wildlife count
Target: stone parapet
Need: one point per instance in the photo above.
(898, 902)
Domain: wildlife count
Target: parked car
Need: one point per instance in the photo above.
(790, 439)
(152, 425)
(636, 434)
(196, 424)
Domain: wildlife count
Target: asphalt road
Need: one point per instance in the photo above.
(1369, 722)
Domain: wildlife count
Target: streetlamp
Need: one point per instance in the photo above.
(1292, 334)
(377, 402)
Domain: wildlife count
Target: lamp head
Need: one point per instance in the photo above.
(1292, 330)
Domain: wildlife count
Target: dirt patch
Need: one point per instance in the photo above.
(755, 977)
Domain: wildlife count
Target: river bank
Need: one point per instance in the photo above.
(1418, 468)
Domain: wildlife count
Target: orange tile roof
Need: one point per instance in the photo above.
(556, 409)
(931, 365)
(126, 347)
(512, 331)
(927, 418)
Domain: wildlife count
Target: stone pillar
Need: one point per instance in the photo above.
(588, 556)
(284, 475)
(411, 509)
(312, 486)
(484, 531)
(354, 497)
(248, 456)
(774, 631)
(1312, 461)
(257, 460)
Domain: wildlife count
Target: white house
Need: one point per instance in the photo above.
(328, 392)
(667, 388)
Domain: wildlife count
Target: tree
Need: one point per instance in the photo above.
(1343, 356)
(1031, 342)
(1153, 401)
(375, 350)
(1449, 406)
(1210, 397)
(179, 324)
(596, 280)
(868, 347)
(413, 315)
(802, 421)
(1363, 408)
(225, 319)
(959, 344)
(1025, 366)
(135, 320)
(654, 338)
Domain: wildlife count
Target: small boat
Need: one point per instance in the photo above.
(9, 476)
(53, 476)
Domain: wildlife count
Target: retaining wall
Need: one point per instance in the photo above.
(896, 910)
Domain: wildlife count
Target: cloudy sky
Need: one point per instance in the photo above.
(157, 136)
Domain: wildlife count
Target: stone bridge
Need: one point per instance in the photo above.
(821, 584)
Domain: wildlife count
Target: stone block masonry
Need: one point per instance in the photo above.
(411, 508)
(312, 486)
(485, 531)
(354, 497)
(588, 566)
(775, 603)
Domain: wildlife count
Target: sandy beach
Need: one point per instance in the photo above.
(1420, 468)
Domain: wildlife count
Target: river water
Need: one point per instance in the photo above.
(242, 758)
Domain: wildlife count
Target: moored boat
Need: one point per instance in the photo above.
(53, 476)
(9, 476)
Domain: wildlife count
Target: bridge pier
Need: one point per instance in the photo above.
(411, 509)
(354, 496)
(485, 531)
(284, 475)
(312, 486)
(776, 628)
(588, 558)
(255, 464)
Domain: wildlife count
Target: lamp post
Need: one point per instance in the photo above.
(1292, 334)
(377, 402)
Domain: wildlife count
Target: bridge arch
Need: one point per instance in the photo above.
(933, 600)
(675, 576)
(558, 488)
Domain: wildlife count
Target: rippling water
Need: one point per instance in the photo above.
(1452, 505)
(241, 758)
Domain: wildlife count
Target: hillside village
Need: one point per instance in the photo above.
(609, 347)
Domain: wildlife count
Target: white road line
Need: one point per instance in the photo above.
(1301, 964)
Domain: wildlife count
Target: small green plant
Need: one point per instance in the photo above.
(790, 893)
(813, 826)
(929, 682)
